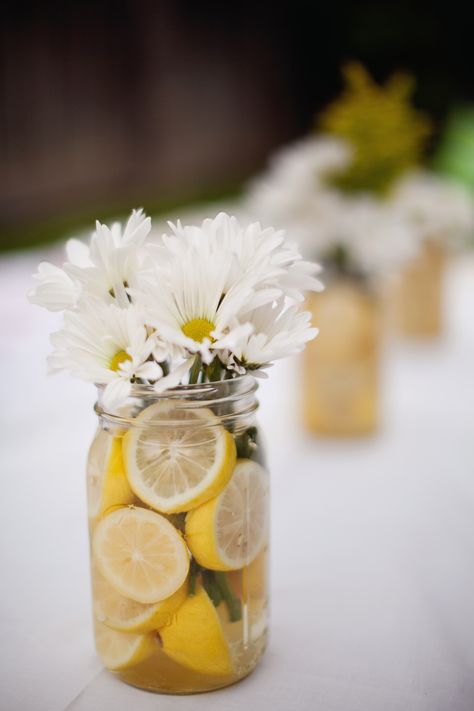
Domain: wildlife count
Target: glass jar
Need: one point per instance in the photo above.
(178, 518)
(418, 294)
(340, 367)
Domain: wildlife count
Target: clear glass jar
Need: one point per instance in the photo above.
(418, 294)
(178, 518)
(341, 366)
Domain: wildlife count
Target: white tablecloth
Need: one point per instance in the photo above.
(373, 540)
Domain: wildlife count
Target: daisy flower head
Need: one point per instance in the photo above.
(191, 303)
(105, 269)
(55, 289)
(279, 329)
(116, 258)
(105, 345)
(260, 255)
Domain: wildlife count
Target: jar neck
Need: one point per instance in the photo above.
(233, 401)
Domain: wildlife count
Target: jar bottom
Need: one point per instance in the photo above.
(161, 675)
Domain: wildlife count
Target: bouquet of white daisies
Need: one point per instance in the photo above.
(204, 303)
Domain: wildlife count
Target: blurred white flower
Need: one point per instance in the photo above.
(310, 161)
(376, 238)
(438, 208)
(278, 330)
(296, 193)
(105, 345)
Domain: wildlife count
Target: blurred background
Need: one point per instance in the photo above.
(173, 105)
(106, 105)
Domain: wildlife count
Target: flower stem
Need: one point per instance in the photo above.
(211, 587)
(232, 602)
(195, 370)
(193, 573)
(214, 370)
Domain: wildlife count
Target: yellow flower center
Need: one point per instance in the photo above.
(198, 329)
(119, 357)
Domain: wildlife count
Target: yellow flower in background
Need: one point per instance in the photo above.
(386, 133)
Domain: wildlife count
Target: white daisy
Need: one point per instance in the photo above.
(189, 302)
(278, 330)
(261, 255)
(56, 290)
(105, 270)
(105, 345)
(116, 260)
(136, 230)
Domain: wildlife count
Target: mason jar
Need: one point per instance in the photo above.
(178, 502)
(418, 296)
(340, 374)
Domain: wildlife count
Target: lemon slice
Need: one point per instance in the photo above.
(228, 532)
(195, 638)
(107, 485)
(176, 467)
(125, 615)
(140, 554)
(122, 651)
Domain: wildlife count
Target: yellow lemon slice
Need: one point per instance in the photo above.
(122, 651)
(125, 615)
(195, 638)
(177, 458)
(228, 532)
(140, 554)
(107, 485)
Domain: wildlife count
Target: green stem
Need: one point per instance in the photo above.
(193, 573)
(232, 602)
(246, 443)
(214, 370)
(211, 587)
(195, 370)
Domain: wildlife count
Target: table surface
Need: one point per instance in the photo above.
(373, 548)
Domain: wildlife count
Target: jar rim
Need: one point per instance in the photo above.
(234, 398)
